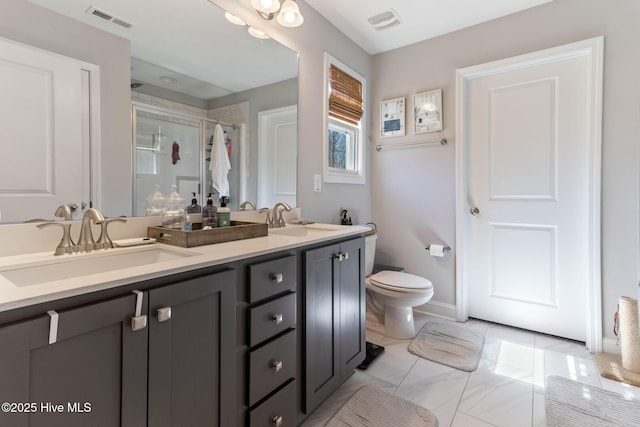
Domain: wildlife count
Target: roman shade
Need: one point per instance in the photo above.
(345, 96)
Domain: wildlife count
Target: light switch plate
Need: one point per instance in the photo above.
(317, 182)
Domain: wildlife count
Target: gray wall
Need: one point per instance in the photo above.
(421, 181)
(33, 25)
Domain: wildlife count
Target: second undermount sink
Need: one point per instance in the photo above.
(305, 230)
(71, 266)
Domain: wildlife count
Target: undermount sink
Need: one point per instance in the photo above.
(71, 266)
(304, 230)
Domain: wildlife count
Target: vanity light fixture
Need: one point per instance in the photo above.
(252, 30)
(288, 15)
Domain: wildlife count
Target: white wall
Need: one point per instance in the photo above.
(413, 189)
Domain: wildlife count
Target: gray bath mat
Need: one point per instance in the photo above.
(572, 404)
(372, 407)
(445, 342)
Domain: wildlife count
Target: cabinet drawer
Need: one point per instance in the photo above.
(271, 278)
(271, 366)
(271, 318)
(278, 410)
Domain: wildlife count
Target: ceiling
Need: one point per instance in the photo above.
(206, 68)
(419, 19)
(208, 58)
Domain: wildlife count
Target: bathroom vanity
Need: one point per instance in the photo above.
(256, 332)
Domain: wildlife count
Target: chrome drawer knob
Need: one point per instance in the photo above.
(277, 421)
(277, 278)
(276, 365)
(277, 319)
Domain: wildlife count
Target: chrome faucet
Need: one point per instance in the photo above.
(64, 211)
(85, 241)
(277, 223)
(243, 205)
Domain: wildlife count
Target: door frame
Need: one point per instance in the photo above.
(593, 49)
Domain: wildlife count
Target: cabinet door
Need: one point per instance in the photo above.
(352, 306)
(322, 325)
(191, 349)
(94, 374)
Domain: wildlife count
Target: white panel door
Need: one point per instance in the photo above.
(43, 119)
(528, 178)
(278, 155)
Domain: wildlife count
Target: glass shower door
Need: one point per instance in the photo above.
(167, 152)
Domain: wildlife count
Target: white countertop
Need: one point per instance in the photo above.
(12, 296)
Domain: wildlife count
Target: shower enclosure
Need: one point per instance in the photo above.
(174, 149)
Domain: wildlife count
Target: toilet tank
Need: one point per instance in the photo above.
(370, 251)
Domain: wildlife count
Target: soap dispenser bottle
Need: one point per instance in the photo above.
(209, 214)
(194, 207)
(224, 214)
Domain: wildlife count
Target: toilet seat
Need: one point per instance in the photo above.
(401, 282)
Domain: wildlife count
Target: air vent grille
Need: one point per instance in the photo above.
(384, 20)
(108, 17)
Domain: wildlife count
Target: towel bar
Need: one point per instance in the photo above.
(442, 141)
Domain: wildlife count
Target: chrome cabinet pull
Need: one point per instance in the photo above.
(277, 318)
(341, 256)
(277, 421)
(474, 211)
(164, 314)
(276, 365)
(277, 278)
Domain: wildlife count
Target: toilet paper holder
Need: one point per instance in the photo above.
(446, 249)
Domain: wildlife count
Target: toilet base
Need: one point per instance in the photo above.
(398, 322)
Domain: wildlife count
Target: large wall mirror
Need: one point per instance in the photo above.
(192, 69)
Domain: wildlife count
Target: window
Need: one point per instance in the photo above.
(344, 123)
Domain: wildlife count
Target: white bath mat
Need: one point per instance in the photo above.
(372, 407)
(444, 342)
(571, 404)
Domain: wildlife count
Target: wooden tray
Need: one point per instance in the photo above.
(238, 230)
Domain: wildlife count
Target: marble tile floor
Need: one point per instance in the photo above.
(507, 389)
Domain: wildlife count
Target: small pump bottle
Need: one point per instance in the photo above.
(209, 214)
(224, 214)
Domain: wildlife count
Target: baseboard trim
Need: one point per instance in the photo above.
(610, 345)
(437, 308)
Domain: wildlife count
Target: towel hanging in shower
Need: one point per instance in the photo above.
(219, 165)
(175, 154)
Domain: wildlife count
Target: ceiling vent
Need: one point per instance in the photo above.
(384, 20)
(108, 17)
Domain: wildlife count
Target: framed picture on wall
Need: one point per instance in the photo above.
(427, 111)
(392, 118)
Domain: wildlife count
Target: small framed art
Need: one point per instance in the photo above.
(427, 111)
(392, 118)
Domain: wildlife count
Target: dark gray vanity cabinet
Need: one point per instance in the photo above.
(334, 303)
(100, 372)
(191, 336)
(272, 342)
(93, 374)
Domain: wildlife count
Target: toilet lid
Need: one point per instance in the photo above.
(397, 281)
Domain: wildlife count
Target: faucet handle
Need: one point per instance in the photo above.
(269, 220)
(104, 241)
(66, 245)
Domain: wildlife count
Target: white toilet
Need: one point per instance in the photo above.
(395, 293)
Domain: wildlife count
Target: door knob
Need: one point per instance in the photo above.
(474, 211)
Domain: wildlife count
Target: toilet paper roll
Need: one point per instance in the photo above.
(436, 250)
(629, 333)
